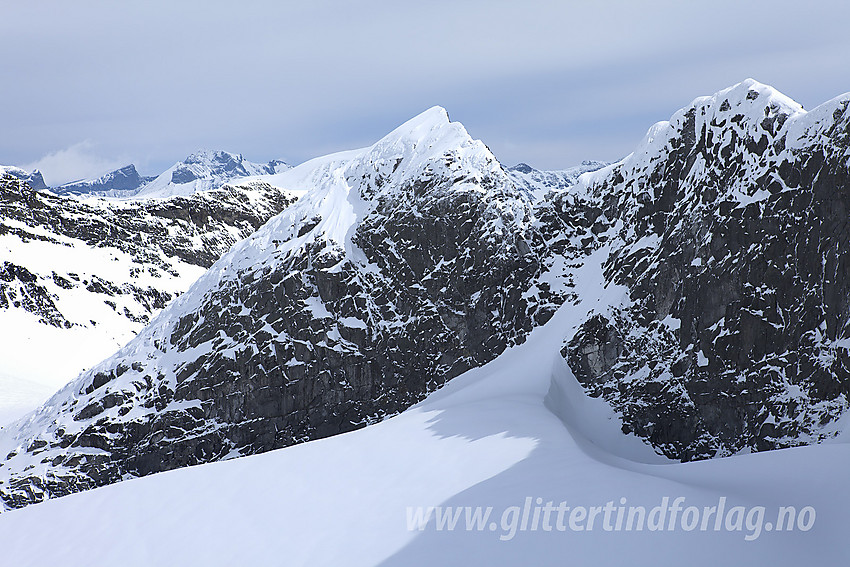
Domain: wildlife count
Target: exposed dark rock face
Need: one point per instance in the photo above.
(19, 288)
(734, 245)
(421, 257)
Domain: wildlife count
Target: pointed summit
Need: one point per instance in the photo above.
(428, 132)
(431, 142)
(423, 123)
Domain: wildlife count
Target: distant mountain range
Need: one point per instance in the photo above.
(200, 171)
(121, 182)
(205, 169)
(538, 182)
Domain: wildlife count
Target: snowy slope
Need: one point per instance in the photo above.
(90, 327)
(19, 395)
(486, 439)
(205, 170)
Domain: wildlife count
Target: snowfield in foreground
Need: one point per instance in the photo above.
(517, 428)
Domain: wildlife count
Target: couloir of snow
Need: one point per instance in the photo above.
(517, 427)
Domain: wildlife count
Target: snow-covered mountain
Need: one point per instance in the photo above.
(201, 171)
(123, 182)
(391, 275)
(728, 225)
(33, 178)
(79, 278)
(697, 289)
(205, 170)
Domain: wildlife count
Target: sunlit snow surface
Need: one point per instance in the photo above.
(518, 427)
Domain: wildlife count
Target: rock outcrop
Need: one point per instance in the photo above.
(730, 228)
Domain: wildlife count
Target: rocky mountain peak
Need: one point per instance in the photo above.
(728, 229)
(33, 178)
(389, 269)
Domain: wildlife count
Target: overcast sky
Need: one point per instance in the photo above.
(90, 86)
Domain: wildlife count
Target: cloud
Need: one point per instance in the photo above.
(557, 82)
(75, 162)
